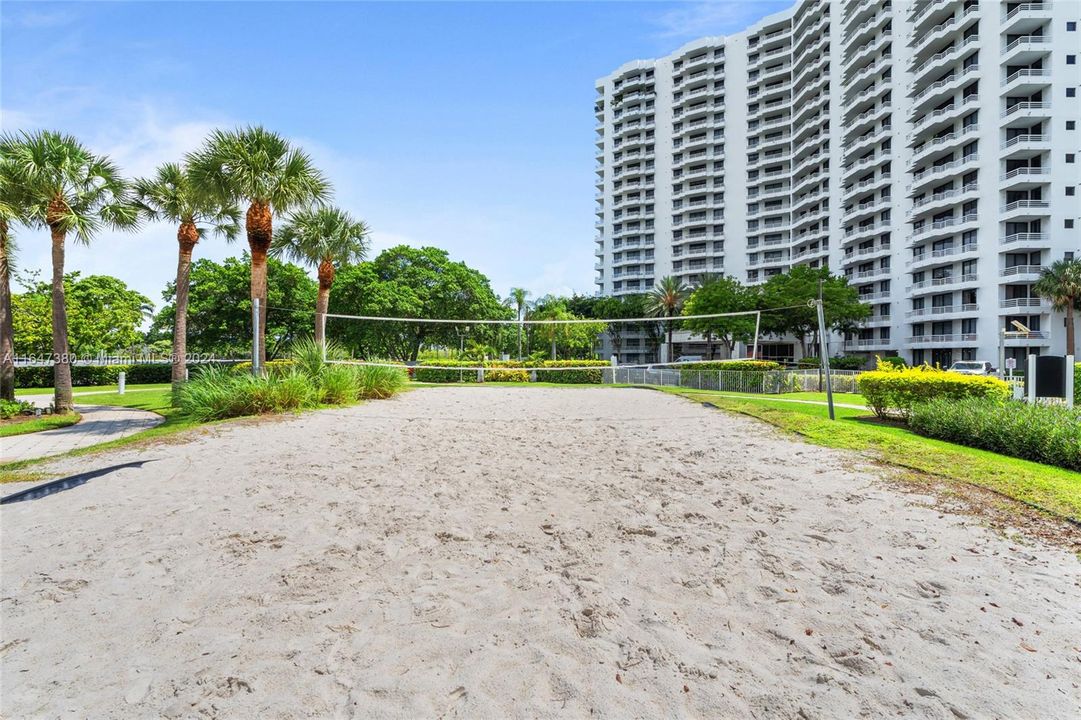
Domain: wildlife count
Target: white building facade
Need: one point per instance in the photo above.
(928, 151)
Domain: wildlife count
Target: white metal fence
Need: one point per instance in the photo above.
(770, 382)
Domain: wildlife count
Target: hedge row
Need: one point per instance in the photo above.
(1049, 434)
(891, 391)
(84, 375)
(591, 374)
(844, 362)
(509, 371)
(734, 365)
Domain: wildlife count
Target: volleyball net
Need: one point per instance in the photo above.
(535, 343)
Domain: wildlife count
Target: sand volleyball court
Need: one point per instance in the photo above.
(521, 552)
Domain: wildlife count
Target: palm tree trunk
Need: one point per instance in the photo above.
(322, 299)
(260, 228)
(7, 333)
(187, 235)
(1070, 347)
(62, 402)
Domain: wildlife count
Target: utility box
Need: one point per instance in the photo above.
(1051, 376)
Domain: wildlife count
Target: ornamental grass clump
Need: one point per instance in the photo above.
(377, 382)
(894, 391)
(1048, 434)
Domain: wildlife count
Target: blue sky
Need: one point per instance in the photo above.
(467, 126)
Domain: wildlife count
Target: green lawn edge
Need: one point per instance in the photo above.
(38, 424)
(1054, 490)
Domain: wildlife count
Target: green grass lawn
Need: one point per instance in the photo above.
(1055, 490)
(10, 428)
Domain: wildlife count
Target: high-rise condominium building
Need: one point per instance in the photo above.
(928, 151)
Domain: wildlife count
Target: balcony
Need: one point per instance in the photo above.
(1027, 109)
(1026, 240)
(930, 202)
(940, 310)
(942, 339)
(939, 256)
(1022, 272)
(1024, 302)
(935, 284)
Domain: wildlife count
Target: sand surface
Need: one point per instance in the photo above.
(503, 553)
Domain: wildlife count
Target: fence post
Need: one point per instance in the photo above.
(122, 381)
(1069, 380)
(255, 369)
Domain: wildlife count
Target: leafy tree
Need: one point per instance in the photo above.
(327, 239)
(794, 289)
(258, 167)
(571, 338)
(418, 283)
(519, 300)
(220, 320)
(68, 189)
(104, 316)
(171, 195)
(1060, 283)
(616, 307)
(666, 300)
(722, 294)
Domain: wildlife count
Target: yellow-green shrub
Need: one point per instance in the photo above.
(271, 367)
(506, 375)
(896, 390)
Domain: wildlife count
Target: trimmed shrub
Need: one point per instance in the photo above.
(1048, 434)
(445, 373)
(506, 375)
(843, 362)
(11, 408)
(591, 374)
(894, 361)
(891, 390)
(734, 365)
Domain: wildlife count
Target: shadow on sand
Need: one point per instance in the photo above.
(66, 483)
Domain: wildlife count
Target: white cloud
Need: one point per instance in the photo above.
(716, 17)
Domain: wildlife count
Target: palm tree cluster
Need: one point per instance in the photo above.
(49, 180)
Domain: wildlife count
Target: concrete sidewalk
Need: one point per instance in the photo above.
(100, 423)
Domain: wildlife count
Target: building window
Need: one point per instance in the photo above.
(1069, 223)
(1071, 59)
(1071, 92)
(1071, 124)
(1069, 157)
(1070, 191)
(1071, 26)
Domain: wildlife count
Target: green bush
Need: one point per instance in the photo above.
(11, 408)
(734, 365)
(87, 375)
(890, 390)
(592, 372)
(1048, 434)
(506, 375)
(442, 374)
(271, 367)
(377, 382)
(338, 385)
(893, 361)
(843, 362)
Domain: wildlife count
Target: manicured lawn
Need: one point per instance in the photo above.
(1053, 489)
(155, 399)
(29, 424)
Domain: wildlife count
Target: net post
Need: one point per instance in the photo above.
(757, 324)
(824, 350)
(255, 369)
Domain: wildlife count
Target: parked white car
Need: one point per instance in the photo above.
(973, 367)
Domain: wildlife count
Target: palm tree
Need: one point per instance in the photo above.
(519, 299)
(67, 189)
(326, 238)
(171, 195)
(1061, 284)
(258, 167)
(11, 212)
(666, 300)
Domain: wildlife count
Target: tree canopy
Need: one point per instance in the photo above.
(722, 294)
(413, 282)
(792, 290)
(104, 315)
(219, 316)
